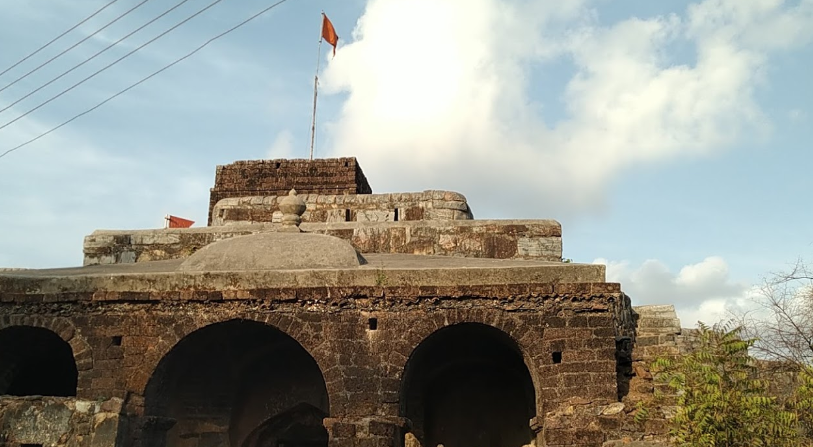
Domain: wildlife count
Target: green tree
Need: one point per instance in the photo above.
(802, 403)
(721, 400)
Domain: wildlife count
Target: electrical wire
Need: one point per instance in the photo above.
(92, 57)
(30, 111)
(121, 92)
(74, 45)
(58, 37)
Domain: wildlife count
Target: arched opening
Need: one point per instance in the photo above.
(467, 386)
(36, 362)
(241, 384)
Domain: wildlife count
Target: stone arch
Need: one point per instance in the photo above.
(36, 361)
(304, 333)
(525, 330)
(63, 329)
(469, 384)
(238, 382)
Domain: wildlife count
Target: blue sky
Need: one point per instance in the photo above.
(671, 139)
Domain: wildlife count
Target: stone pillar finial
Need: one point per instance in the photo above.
(292, 208)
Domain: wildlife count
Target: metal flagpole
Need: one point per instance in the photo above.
(316, 86)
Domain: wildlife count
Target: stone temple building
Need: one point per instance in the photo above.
(326, 316)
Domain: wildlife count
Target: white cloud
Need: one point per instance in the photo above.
(755, 24)
(700, 292)
(440, 89)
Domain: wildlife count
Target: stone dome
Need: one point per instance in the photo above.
(274, 251)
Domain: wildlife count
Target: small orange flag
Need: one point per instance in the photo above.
(178, 222)
(329, 33)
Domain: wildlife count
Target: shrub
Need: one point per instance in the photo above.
(722, 400)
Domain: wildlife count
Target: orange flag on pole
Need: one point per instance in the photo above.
(329, 33)
(178, 222)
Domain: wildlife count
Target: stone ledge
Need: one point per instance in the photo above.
(382, 271)
(498, 239)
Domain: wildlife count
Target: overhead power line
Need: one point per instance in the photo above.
(74, 45)
(58, 37)
(92, 75)
(93, 57)
(155, 73)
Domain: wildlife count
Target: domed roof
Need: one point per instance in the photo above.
(274, 251)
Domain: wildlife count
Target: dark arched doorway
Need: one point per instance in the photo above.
(240, 384)
(36, 361)
(467, 386)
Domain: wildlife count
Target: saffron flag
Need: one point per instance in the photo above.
(178, 222)
(329, 33)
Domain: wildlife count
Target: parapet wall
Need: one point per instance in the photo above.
(497, 239)
(277, 177)
(426, 205)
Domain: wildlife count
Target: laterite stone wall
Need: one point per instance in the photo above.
(277, 177)
(183, 365)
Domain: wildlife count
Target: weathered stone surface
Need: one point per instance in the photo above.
(655, 331)
(131, 321)
(459, 276)
(277, 177)
(629, 443)
(499, 239)
(268, 251)
(346, 208)
(363, 368)
(59, 422)
(613, 408)
(375, 216)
